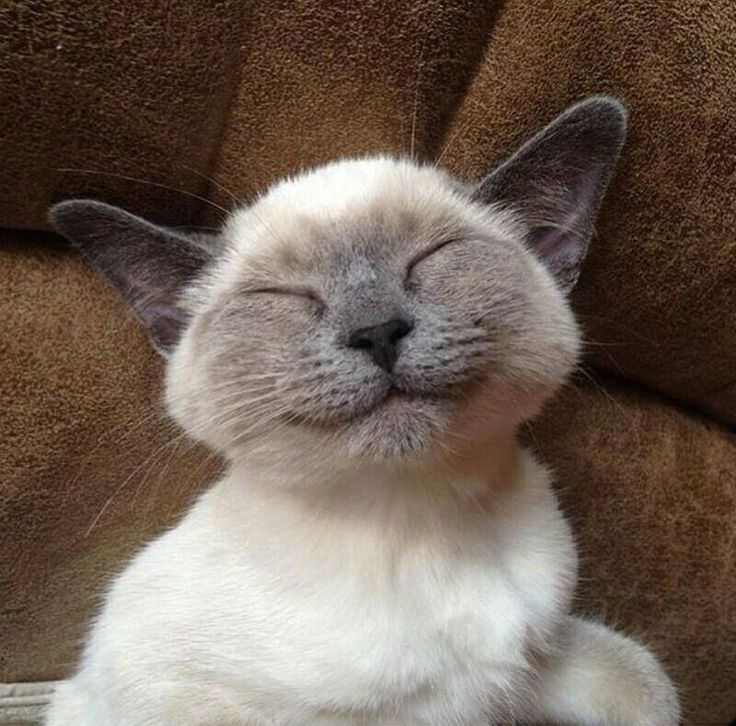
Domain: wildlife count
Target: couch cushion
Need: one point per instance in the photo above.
(323, 80)
(651, 495)
(658, 291)
(24, 703)
(89, 469)
(253, 91)
(137, 88)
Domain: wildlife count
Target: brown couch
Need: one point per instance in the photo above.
(218, 99)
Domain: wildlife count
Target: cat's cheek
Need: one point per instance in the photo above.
(521, 405)
(495, 409)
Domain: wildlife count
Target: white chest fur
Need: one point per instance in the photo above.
(394, 607)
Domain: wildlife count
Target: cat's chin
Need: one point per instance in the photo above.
(410, 428)
(401, 427)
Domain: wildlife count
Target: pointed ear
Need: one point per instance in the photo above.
(557, 180)
(149, 265)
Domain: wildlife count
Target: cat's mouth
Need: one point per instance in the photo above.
(396, 423)
(392, 409)
(397, 400)
(395, 393)
(400, 401)
(402, 423)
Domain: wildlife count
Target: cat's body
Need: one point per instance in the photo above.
(368, 607)
(381, 550)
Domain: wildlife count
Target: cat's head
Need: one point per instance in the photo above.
(370, 309)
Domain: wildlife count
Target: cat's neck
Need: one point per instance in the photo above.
(466, 483)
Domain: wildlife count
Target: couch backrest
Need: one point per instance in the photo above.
(205, 97)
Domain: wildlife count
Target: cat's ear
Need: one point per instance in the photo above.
(148, 264)
(557, 180)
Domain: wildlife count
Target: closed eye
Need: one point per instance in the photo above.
(295, 290)
(429, 251)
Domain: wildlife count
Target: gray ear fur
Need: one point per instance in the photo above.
(557, 180)
(149, 264)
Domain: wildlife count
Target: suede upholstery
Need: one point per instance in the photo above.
(218, 100)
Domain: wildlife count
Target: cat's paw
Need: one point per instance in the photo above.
(599, 676)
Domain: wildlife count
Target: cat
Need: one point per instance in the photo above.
(361, 345)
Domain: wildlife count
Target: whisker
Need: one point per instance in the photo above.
(217, 185)
(119, 438)
(114, 175)
(189, 444)
(144, 478)
(194, 228)
(597, 385)
(417, 83)
(125, 482)
(460, 130)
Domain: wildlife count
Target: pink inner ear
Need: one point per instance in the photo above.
(148, 264)
(561, 251)
(556, 182)
(165, 321)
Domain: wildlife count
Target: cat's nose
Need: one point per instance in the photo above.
(381, 341)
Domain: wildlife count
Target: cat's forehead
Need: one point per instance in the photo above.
(368, 206)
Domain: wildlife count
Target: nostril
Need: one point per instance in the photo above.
(388, 333)
(401, 329)
(360, 342)
(381, 341)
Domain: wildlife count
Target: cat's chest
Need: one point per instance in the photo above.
(338, 610)
(430, 623)
(392, 635)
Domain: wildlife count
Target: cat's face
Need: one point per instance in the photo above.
(379, 310)
(364, 304)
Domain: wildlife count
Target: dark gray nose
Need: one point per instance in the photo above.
(381, 341)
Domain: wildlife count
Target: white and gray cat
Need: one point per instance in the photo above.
(361, 345)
